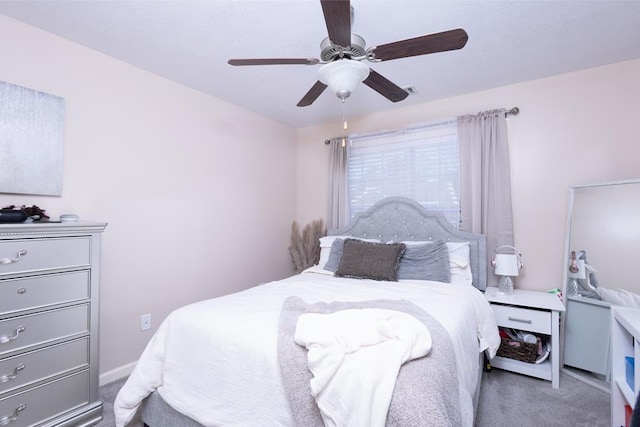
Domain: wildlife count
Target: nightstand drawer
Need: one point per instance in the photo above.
(523, 318)
(40, 291)
(17, 256)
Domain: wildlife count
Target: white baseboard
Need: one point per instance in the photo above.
(116, 374)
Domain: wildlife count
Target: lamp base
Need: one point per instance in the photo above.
(505, 287)
(574, 288)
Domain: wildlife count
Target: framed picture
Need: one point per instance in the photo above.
(31, 141)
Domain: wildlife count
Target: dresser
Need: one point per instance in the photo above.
(49, 307)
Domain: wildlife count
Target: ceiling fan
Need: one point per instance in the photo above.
(342, 54)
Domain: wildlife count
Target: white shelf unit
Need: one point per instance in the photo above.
(625, 342)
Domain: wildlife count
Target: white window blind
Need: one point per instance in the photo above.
(421, 163)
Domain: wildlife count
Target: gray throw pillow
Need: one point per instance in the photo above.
(426, 262)
(367, 260)
(334, 255)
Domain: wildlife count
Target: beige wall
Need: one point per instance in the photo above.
(575, 128)
(191, 193)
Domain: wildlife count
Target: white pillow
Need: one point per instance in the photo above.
(459, 261)
(319, 270)
(619, 297)
(327, 241)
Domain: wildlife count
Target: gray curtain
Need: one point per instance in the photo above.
(485, 180)
(336, 217)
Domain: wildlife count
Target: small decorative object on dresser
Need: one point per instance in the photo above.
(12, 215)
(530, 312)
(49, 287)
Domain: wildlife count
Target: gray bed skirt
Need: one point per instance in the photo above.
(157, 413)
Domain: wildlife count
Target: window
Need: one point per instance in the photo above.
(421, 163)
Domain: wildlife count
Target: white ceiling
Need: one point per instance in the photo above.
(191, 41)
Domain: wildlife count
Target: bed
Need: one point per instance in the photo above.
(233, 360)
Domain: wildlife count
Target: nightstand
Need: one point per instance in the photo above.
(531, 311)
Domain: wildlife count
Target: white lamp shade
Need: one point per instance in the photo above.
(506, 265)
(582, 271)
(343, 76)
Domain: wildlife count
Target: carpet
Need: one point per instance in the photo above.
(506, 400)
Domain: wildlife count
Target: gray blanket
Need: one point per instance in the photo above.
(426, 392)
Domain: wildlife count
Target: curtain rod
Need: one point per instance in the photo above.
(507, 112)
(512, 111)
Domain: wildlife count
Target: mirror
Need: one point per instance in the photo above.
(604, 222)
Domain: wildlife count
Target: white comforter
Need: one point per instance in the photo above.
(216, 360)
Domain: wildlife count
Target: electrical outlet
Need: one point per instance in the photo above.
(145, 322)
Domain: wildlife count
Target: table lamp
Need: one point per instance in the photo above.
(577, 270)
(507, 266)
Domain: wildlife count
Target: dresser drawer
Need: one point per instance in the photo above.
(24, 331)
(33, 366)
(40, 291)
(46, 401)
(17, 256)
(523, 318)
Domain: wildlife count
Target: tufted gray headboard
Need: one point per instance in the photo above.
(401, 219)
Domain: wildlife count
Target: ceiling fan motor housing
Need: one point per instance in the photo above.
(330, 52)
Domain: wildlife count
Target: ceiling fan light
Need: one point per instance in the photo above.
(343, 76)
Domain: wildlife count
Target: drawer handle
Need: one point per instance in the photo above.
(5, 339)
(515, 319)
(8, 419)
(16, 259)
(10, 377)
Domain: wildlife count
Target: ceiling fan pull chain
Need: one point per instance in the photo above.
(345, 126)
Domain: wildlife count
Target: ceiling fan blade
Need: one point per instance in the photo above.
(385, 87)
(432, 43)
(275, 61)
(312, 95)
(337, 15)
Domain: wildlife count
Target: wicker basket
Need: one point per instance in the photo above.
(518, 350)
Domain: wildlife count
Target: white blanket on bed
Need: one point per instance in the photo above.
(199, 364)
(355, 356)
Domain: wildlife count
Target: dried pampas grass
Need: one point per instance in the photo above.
(305, 246)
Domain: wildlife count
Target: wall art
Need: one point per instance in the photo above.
(31, 141)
